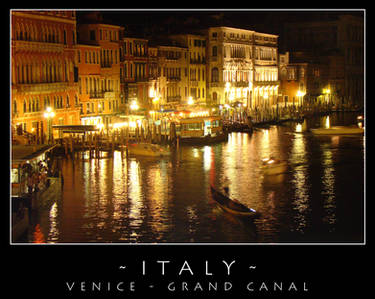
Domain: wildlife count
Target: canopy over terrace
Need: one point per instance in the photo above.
(75, 128)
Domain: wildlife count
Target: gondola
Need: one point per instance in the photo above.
(232, 206)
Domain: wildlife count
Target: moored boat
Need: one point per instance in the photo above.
(273, 166)
(230, 205)
(147, 149)
(201, 130)
(338, 130)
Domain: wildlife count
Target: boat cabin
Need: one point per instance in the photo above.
(200, 127)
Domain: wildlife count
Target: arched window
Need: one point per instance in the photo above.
(24, 106)
(215, 75)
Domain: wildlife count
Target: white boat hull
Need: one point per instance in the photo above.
(146, 149)
(338, 131)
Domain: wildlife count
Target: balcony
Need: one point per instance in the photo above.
(197, 61)
(42, 87)
(173, 79)
(96, 95)
(171, 99)
(109, 94)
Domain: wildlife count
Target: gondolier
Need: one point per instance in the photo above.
(232, 206)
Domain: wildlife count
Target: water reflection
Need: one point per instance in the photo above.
(301, 182)
(328, 190)
(134, 199)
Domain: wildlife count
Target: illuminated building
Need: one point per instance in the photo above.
(99, 70)
(196, 47)
(242, 67)
(153, 78)
(293, 81)
(337, 42)
(134, 71)
(43, 69)
(173, 79)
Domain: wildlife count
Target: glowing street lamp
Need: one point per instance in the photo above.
(134, 106)
(327, 92)
(190, 101)
(49, 114)
(300, 95)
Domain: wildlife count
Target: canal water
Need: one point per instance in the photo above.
(120, 199)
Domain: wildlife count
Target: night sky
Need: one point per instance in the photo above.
(150, 23)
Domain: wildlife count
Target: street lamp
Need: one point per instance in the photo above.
(49, 114)
(300, 95)
(190, 101)
(134, 106)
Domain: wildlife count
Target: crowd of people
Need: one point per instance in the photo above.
(37, 178)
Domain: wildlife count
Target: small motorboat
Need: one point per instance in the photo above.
(273, 166)
(232, 206)
(147, 149)
(338, 130)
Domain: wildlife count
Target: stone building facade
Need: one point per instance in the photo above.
(99, 72)
(241, 67)
(339, 43)
(44, 72)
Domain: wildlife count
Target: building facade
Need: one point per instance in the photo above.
(99, 72)
(44, 73)
(196, 64)
(241, 67)
(135, 72)
(340, 43)
(173, 76)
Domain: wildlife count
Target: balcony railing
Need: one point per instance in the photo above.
(96, 95)
(173, 99)
(173, 79)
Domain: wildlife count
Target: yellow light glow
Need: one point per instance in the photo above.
(300, 93)
(49, 113)
(117, 125)
(199, 114)
(190, 101)
(134, 106)
(100, 126)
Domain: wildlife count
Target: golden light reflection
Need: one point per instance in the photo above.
(265, 143)
(207, 154)
(327, 123)
(301, 202)
(135, 195)
(328, 181)
(119, 179)
(158, 182)
(299, 128)
(53, 234)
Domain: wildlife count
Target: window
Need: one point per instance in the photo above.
(214, 51)
(215, 75)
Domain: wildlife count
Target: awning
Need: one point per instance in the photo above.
(75, 128)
